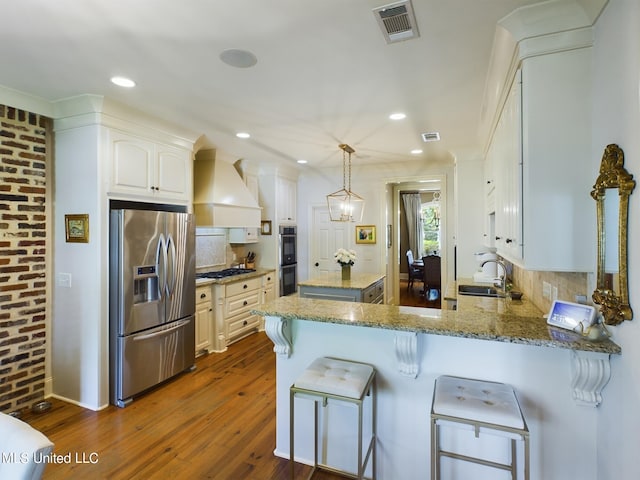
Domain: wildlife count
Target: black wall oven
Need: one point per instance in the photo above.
(288, 260)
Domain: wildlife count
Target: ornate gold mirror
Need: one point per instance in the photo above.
(612, 211)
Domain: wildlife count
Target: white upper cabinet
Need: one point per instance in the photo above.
(286, 194)
(507, 173)
(540, 160)
(148, 170)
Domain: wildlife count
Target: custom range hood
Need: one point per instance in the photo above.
(220, 196)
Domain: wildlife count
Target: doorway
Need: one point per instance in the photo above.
(428, 185)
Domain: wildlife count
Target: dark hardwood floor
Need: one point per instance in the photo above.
(413, 297)
(217, 422)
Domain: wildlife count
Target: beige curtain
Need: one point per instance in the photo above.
(413, 212)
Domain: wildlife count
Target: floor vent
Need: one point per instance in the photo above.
(397, 21)
(430, 137)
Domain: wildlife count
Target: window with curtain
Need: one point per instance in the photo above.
(430, 212)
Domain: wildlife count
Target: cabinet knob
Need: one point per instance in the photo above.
(245, 286)
(203, 295)
(509, 240)
(317, 264)
(245, 322)
(498, 238)
(245, 303)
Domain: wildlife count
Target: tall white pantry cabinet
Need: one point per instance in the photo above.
(94, 142)
(538, 165)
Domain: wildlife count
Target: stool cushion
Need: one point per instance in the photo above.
(335, 377)
(488, 402)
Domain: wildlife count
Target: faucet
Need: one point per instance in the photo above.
(503, 278)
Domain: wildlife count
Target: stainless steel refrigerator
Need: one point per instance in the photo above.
(151, 299)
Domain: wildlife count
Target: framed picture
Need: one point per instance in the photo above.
(265, 227)
(77, 228)
(366, 234)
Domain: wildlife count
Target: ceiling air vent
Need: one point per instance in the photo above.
(397, 21)
(430, 137)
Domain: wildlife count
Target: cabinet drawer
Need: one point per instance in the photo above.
(242, 323)
(241, 303)
(237, 288)
(380, 288)
(203, 295)
(373, 293)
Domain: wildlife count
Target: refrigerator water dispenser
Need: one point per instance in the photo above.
(145, 284)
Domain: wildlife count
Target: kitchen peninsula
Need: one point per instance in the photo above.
(361, 287)
(557, 374)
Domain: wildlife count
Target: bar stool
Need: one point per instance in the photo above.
(343, 381)
(487, 407)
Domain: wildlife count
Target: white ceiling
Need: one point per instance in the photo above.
(324, 74)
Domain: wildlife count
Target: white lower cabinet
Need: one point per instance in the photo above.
(268, 287)
(204, 316)
(233, 304)
(223, 311)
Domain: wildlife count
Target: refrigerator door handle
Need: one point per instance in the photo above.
(161, 259)
(159, 333)
(171, 265)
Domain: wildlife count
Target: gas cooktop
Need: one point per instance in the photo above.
(227, 272)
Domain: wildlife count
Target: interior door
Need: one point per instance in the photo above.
(326, 238)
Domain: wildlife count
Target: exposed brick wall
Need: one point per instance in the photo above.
(24, 141)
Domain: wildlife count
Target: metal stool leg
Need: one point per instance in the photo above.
(291, 440)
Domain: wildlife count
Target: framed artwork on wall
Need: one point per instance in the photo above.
(366, 234)
(76, 227)
(265, 227)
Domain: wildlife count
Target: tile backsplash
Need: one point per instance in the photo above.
(569, 285)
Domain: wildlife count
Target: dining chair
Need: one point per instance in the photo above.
(414, 273)
(431, 275)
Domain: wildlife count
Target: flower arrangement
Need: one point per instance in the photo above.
(345, 257)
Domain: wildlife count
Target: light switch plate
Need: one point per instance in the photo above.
(64, 280)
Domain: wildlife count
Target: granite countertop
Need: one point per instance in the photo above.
(358, 281)
(490, 319)
(233, 278)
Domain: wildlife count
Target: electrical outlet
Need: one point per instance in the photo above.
(546, 290)
(554, 294)
(581, 299)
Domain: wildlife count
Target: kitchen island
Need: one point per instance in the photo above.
(361, 287)
(558, 375)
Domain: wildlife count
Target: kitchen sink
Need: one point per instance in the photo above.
(479, 291)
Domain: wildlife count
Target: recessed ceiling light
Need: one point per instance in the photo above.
(242, 135)
(238, 58)
(302, 161)
(123, 82)
(416, 151)
(397, 116)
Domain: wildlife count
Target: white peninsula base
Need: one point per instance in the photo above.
(562, 433)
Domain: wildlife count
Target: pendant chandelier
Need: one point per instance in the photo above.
(344, 205)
